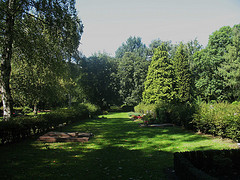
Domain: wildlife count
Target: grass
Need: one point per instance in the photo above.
(119, 150)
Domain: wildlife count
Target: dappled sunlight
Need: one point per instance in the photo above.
(120, 149)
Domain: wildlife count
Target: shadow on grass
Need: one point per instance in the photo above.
(120, 149)
(69, 161)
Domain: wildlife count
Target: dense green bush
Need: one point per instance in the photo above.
(27, 110)
(145, 108)
(92, 109)
(221, 119)
(181, 114)
(22, 127)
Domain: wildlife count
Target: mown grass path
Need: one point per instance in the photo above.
(120, 149)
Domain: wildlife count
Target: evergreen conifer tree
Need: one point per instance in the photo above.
(159, 82)
(182, 77)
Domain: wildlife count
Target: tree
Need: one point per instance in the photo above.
(208, 84)
(132, 71)
(40, 76)
(133, 44)
(207, 65)
(192, 47)
(230, 68)
(182, 77)
(98, 80)
(159, 82)
(171, 49)
(58, 16)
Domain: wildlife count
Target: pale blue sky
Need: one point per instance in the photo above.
(108, 23)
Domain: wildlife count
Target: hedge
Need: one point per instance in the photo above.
(219, 119)
(22, 127)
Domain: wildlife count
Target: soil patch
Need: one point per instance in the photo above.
(65, 137)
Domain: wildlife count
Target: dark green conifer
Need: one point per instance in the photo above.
(159, 82)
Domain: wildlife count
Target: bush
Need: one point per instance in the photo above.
(22, 127)
(115, 109)
(179, 114)
(182, 114)
(27, 110)
(92, 109)
(221, 119)
(145, 108)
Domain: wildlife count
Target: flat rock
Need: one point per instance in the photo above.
(157, 125)
(65, 137)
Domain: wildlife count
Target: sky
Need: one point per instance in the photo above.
(109, 23)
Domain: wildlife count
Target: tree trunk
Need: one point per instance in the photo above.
(6, 62)
(35, 111)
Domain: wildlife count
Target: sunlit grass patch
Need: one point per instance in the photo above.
(120, 149)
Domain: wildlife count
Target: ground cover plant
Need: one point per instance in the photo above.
(120, 149)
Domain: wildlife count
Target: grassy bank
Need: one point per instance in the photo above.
(119, 150)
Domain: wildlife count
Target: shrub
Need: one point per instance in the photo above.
(145, 108)
(221, 119)
(27, 110)
(115, 109)
(22, 127)
(181, 114)
(92, 109)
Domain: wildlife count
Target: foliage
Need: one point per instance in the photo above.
(215, 68)
(219, 119)
(27, 110)
(92, 109)
(145, 108)
(182, 76)
(98, 80)
(157, 43)
(26, 126)
(182, 114)
(229, 69)
(159, 82)
(157, 113)
(132, 71)
(40, 76)
(133, 45)
(25, 27)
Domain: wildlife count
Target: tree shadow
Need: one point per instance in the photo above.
(120, 149)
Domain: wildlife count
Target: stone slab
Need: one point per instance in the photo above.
(157, 125)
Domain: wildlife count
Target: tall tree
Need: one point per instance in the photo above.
(98, 80)
(208, 65)
(56, 15)
(230, 68)
(159, 82)
(182, 77)
(37, 76)
(133, 44)
(132, 71)
(171, 49)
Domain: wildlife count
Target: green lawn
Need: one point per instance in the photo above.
(119, 150)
